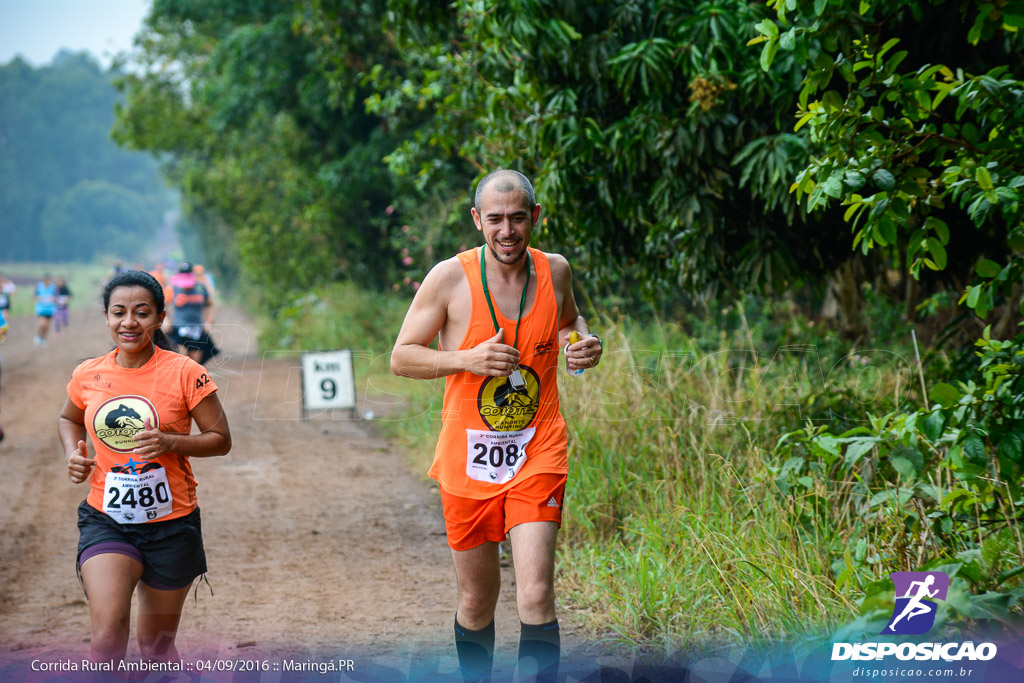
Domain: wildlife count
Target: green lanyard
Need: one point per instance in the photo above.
(487, 294)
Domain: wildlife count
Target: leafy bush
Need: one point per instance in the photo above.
(937, 488)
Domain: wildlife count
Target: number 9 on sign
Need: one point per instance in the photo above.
(327, 381)
(329, 388)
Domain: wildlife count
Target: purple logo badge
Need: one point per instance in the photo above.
(914, 611)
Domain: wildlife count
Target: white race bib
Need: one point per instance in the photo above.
(137, 498)
(193, 332)
(496, 457)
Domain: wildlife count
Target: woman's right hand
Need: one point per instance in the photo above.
(79, 463)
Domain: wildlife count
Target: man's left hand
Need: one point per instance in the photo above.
(584, 354)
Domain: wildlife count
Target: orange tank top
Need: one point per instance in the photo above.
(497, 431)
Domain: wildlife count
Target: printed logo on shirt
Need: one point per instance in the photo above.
(190, 298)
(119, 419)
(508, 406)
(544, 347)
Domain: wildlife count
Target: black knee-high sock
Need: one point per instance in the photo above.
(475, 650)
(543, 643)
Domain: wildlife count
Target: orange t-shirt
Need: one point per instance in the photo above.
(117, 401)
(488, 424)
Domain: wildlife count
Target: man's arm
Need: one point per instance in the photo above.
(585, 353)
(168, 317)
(208, 308)
(412, 355)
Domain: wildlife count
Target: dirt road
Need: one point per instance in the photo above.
(321, 543)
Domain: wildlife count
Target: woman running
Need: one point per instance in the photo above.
(139, 526)
(46, 307)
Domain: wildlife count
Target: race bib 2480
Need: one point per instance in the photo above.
(137, 498)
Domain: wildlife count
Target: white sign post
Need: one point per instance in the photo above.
(328, 382)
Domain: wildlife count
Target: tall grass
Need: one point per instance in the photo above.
(335, 316)
(675, 530)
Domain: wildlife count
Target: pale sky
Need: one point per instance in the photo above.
(38, 29)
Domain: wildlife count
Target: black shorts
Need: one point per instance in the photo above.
(171, 552)
(204, 344)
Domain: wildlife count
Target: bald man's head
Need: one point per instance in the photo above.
(506, 180)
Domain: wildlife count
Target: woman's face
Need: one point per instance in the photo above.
(132, 319)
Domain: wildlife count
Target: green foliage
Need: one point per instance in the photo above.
(324, 129)
(336, 316)
(631, 117)
(280, 172)
(924, 489)
(66, 191)
(916, 134)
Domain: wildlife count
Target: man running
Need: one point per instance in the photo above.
(501, 313)
(190, 302)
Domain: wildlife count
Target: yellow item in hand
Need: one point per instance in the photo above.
(574, 337)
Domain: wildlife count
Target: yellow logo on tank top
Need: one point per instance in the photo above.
(119, 419)
(507, 408)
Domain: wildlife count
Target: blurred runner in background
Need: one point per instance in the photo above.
(3, 338)
(60, 318)
(46, 307)
(191, 302)
(160, 273)
(7, 289)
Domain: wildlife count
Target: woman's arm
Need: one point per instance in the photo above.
(71, 428)
(214, 436)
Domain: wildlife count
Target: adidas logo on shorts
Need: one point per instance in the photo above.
(552, 503)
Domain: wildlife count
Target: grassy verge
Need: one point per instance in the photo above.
(675, 530)
(340, 316)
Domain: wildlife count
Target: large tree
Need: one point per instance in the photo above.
(55, 138)
(654, 139)
(279, 164)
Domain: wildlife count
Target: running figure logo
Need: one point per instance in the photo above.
(914, 613)
(506, 406)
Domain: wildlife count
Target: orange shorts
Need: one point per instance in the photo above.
(471, 522)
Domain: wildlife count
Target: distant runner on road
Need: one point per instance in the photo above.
(3, 338)
(140, 528)
(46, 307)
(191, 305)
(501, 314)
(60, 318)
(7, 289)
